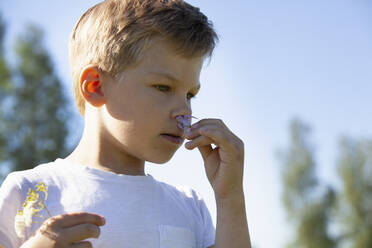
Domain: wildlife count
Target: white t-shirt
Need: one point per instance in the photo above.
(139, 210)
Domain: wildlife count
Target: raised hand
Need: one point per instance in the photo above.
(223, 164)
(66, 231)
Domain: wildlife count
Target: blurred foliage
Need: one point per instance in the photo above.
(322, 216)
(298, 177)
(5, 87)
(307, 208)
(33, 105)
(355, 201)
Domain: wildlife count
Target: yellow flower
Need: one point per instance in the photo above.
(30, 211)
(42, 188)
(24, 217)
(20, 225)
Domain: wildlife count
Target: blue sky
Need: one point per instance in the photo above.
(276, 60)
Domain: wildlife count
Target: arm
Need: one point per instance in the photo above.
(224, 169)
(232, 227)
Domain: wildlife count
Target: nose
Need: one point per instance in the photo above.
(183, 117)
(184, 110)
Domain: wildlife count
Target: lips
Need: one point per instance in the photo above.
(172, 135)
(177, 135)
(173, 138)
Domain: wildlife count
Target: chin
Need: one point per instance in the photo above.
(160, 159)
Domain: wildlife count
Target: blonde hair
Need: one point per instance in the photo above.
(113, 33)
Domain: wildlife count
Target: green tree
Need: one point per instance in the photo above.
(312, 208)
(355, 201)
(4, 70)
(308, 208)
(5, 87)
(35, 112)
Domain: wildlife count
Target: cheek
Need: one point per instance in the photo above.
(117, 128)
(136, 111)
(123, 105)
(154, 105)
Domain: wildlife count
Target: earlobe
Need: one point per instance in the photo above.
(90, 86)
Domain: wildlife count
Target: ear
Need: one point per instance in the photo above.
(90, 83)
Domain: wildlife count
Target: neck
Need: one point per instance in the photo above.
(96, 151)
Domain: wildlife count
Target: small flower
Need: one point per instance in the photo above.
(24, 217)
(184, 121)
(42, 188)
(20, 225)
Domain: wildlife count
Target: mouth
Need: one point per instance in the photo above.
(169, 134)
(172, 138)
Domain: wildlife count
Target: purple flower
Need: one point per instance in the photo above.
(184, 121)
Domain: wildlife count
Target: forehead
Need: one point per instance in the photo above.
(160, 60)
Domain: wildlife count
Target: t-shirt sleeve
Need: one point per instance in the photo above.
(209, 229)
(10, 199)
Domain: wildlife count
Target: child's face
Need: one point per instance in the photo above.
(143, 104)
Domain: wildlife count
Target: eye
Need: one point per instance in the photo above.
(165, 88)
(162, 87)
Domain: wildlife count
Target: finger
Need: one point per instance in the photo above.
(219, 138)
(83, 244)
(205, 151)
(71, 219)
(203, 144)
(199, 141)
(194, 132)
(80, 232)
(203, 122)
(216, 124)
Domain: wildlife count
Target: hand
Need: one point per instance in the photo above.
(223, 164)
(66, 231)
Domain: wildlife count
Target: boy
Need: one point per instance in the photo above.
(135, 66)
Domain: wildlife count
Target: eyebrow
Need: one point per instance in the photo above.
(170, 77)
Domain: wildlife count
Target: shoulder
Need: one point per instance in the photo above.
(183, 193)
(188, 192)
(29, 174)
(26, 178)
